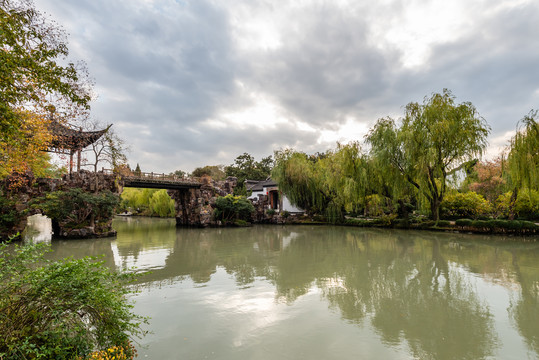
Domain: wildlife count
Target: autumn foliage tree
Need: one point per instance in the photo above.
(486, 178)
(32, 82)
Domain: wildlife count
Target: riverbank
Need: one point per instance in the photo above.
(469, 226)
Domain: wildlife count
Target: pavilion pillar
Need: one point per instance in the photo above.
(78, 160)
(70, 162)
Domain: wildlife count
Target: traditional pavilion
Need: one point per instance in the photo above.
(69, 141)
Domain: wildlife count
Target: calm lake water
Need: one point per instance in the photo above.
(302, 292)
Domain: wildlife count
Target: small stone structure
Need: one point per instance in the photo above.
(25, 187)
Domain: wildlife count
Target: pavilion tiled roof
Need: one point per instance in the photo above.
(65, 138)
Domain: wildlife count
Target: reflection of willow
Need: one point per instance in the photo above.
(197, 253)
(406, 287)
(139, 234)
(509, 263)
(526, 311)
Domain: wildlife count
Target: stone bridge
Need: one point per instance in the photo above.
(193, 198)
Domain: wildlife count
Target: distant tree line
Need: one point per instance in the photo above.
(418, 164)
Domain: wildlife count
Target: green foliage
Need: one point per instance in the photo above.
(230, 208)
(329, 183)
(62, 309)
(510, 226)
(214, 171)
(464, 222)
(246, 168)
(525, 206)
(443, 223)
(436, 139)
(469, 204)
(9, 216)
(161, 204)
(299, 179)
(523, 156)
(270, 212)
(147, 202)
(359, 222)
(376, 205)
(179, 173)
(31, 49)
(334, 213)
(76, 207)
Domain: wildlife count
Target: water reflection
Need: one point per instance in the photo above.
(421, 294)
(38, 229)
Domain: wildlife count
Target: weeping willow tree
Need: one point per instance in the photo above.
(300, 179)
(436, 139)
(329, 183)
(523, 158)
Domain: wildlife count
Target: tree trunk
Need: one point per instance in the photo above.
(435, 209)
(405, 214)
(512, 202)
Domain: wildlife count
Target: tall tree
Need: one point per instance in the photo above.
(214, 171)
(436, 139)
(523, 159)
(299, 179)
(245, 167)
(31, 79)
(109, 148)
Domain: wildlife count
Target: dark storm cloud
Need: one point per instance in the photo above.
(165, 68)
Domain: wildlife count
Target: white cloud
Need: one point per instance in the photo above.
(192, 82)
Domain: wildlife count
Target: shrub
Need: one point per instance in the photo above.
(126, 352)
(425, 224)
(285, 214)
(464, 222)
(375, 205)
(526, 205)
(9, 217)
(229, 208)
(241, 223)
(469, 204)
(270, 212)
(386, 220)
(359, 222)
(76, 208)
(63, 309)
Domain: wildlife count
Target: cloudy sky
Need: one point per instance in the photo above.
(190, 83)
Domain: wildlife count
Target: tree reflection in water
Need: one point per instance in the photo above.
(415, 289)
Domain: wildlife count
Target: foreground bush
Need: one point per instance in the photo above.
(63, 309)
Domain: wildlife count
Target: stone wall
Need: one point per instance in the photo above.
(194, 207)
(24, 187)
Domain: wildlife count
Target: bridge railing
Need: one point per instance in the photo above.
(153, 176)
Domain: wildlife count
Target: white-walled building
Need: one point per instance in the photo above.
(276, 200)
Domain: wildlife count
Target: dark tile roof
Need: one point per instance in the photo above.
(71, 139)
(254, 185)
